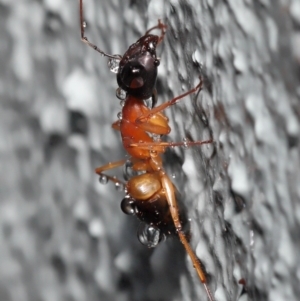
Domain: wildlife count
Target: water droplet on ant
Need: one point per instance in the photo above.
(185, 143)
(156, 137)
(103, 179)
(148, 102)
(113, 65)
(84, 24)
(119, 115)
(119, 186)
(149, 235)
(122, 103)
(120, 93)
(128, 171)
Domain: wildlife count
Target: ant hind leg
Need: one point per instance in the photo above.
(170, 195)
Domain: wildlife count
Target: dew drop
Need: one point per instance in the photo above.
(119, 115)
(185, 143)
(120, 93)
(113, 65)
(122, 103)
(128, 205)
(128, 171)
(84, 24)
(173, 176)
(119, 186)
(149, 235)
(103, 179)
(148, 102)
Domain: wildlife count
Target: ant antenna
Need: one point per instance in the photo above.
(85, 39)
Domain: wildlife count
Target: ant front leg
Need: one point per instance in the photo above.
(170, 195)
(167, 104)
(109, 166)
(85, 39)
(162, 27)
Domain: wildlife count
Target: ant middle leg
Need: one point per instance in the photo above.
(85, 39)
(146, 145)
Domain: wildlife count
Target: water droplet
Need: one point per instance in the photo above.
(113, 65)
(148, 102)
(103, 179)
(128, 205)
(122, 103)
(119, 115)
(119, 186)
(173, 176)
(149, 235)
(120, 93)
(204, 119)
(185, 143)
(157, 138)
(128, 172)
(84, 24)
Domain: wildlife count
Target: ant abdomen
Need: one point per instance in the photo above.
(138, 68)
(144, 187)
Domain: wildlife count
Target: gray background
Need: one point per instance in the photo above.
(63, 236)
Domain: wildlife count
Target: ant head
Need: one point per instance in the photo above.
(138, 68)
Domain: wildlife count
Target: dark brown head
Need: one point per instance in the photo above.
(138, 68)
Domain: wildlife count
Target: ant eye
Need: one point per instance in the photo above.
(128, 206)
(149, 235)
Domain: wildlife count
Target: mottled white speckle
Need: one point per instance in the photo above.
(240, 61)
(272, 34)
(264, 128)
(239, 177)
(295, 10)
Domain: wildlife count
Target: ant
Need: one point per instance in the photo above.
(150, 194)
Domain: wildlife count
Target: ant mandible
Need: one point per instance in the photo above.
(150, 194)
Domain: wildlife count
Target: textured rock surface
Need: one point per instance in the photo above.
(63, 236)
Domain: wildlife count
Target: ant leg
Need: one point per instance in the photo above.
(167, 104)
(116, 125)
(170, 195)
(162, 27)
(146, 145)
(109, 166)
(85, 39)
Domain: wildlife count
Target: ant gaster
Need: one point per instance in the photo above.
(150, 194)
